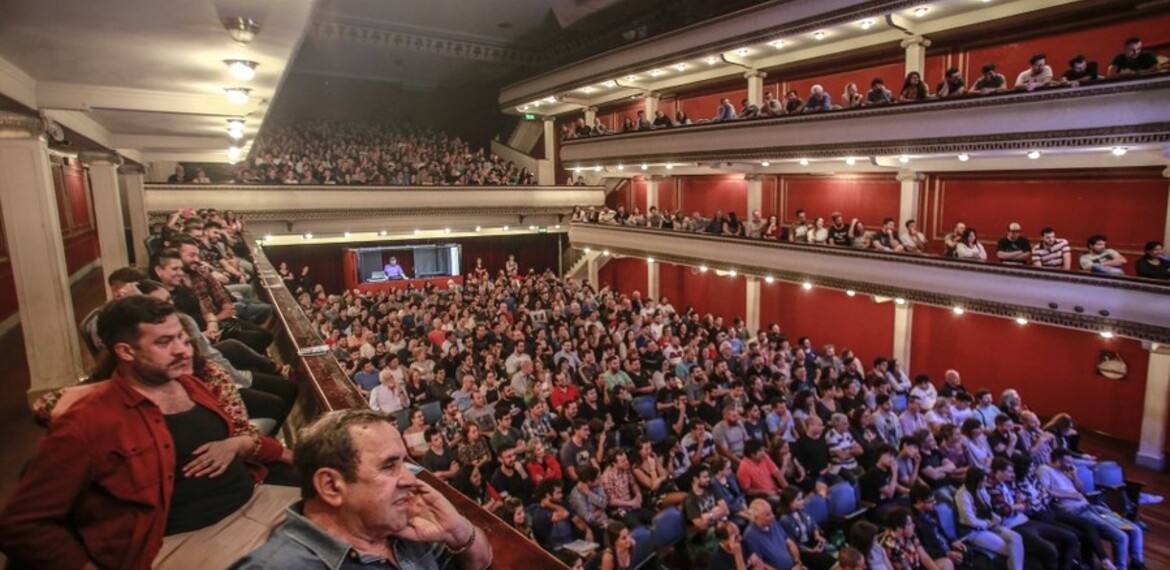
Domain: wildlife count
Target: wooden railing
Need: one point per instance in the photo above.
(325, 387)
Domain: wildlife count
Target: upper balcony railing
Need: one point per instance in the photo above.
(1130, 112)
(1130, 307)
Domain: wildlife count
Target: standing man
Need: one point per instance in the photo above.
(360, 502)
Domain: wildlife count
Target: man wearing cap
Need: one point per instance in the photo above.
(990, 81)
(1014, 248)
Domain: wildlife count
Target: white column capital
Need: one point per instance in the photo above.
(657, 178)
(131, 169)
(100, 158)
(1166, 172)
(752, 177)
(18, 126)
(916, 41)
(910, 176)
(652, 95)
(590, 109)
(755, 73)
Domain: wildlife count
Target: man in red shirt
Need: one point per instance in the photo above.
(758, 475)
(564, 391)
(147, 454)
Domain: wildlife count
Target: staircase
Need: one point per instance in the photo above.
(525, 136)
(579, 266)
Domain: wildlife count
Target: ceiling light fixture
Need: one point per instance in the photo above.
(778, 44)
(656, 72)
(681, 66)
(242, 69)
(1119, 151)
(964, 157)
(631, 78)
(1021, 321)
(478, 228)
(446, 230)
(242, 30)
(267, 237)
(769, 280)
(712, 60)
(921, 11)
(238, 95)
(308, 235)
(587, 89)
(649, 260)
(346, 234)
(235, 128)
(1106, 334)
(732, 273)
(904, 159)
(742, 52)
(819, 35)
(765, 164)
(850, 292)
(587, 250)
(597, 168)
(900, 301)
(850, 161)
(610, 84)
(958, 310)
(417, 231)
(806, 285)
(234, 153)
(506, 228)
(669, 166)
(866, 24)
(382, 233)
(645, 166)
(605, 252)
(702, 269)
(804, 162)
(1034, 154)
(621, 167)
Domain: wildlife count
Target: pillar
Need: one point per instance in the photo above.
(1154, 413)
(593, 269)
(1166, 226)
(755, 86)
(107, 209)
(751, 309)
(590, 116)
(916, 54)
(550, 152)
(652, 280)
(910, 195)
(650, 103)
(755, 194)
(652, 191)
(32, 229)
(903, 321)
(132, 177)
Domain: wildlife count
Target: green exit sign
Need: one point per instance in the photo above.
(529, 117)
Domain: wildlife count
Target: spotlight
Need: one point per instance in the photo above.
(645, 166)
(506, 228)
(656, 72)
(382, 233)
(732, 273)
(681, 67)
(765, 164)
(850, 292)
(900, 301)
(742, 52)
(649, 260)
(669, 166)
(417, 231)
(446, 230)
(851, 161)
(605, 252)
(806, 285)
(621, 167)
(778, 44)
(903, 159)
(238, 95)
(1106, 334)
(921, 11)
(587, 250)
(242, 30)
(597, 168)
(1119, 151)
(712, 60)
(958, 310)
(702, 269)
(804, 162)
(1021, 321)
(234, 153)
(769, 280)
(267, 237)
(964, 157)
(235, 128)
(1034, 154)
(242, 69)
(478, 228)
(308, 235)
(346, 234)
(866, 24)
(819, 35)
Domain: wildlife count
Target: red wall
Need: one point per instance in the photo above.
(1053, 368)
(1129, 207)
(702, 103)
(891, 73)
(625, 274)
(869, 198)
(830, 317)
(708, 193)
(708, 292)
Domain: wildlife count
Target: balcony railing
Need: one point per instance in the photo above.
(1121, 306)
(1110, 113)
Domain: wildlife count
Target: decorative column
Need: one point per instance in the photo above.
(652, 191)
(1166, 226)
(915, 54)
(32, 229)
(903, 321)
(593, 269)
(755, 86)
(755, 194)
(651, 104)
(1154, 413)
(751, 309)
(910, 195)
(107, 208)
(652, 280)
(548, 178)
(132, 177)
(590, 116)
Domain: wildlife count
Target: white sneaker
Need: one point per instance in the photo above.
(1149, 499)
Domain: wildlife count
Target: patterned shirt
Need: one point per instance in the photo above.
(902, 551)
(539, 428)
(1050, 255)
(212, 295)
(619, 484)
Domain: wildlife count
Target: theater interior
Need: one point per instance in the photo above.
(460, 135)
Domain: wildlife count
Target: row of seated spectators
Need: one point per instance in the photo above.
(372, 153)
(596, 416)
(1049, 252)
(1132, 62)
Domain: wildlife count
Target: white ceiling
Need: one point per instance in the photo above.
(124, 72)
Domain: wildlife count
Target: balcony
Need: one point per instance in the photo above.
(336, 209)
(1123, 307)
(1126, 113)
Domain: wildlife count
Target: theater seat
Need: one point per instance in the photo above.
(817, 508)
(646, 407)
(432, 412)
(668, 528)
(644, 545)
(843, 502)
(656, 430)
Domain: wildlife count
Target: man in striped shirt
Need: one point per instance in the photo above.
(1051, 252)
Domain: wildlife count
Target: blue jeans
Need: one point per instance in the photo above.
(1099, 268)
(1002, 541)
(1127, 544)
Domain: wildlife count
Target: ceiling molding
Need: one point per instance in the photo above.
(390, 39)
(158, 142)
(83, 125)
(17, 85)
(86, 97)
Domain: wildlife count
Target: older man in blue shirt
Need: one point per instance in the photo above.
(766, 539)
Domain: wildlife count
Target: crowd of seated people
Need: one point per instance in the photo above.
(1037, 74)
(372, 153)
(579, 414)
(962, 242)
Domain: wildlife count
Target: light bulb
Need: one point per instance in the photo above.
(1119, 151)
(238, 95)
(964, 157)
(242, 69)
(807, 286)
(804, 162)
(903, 159)
(1034, 154)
